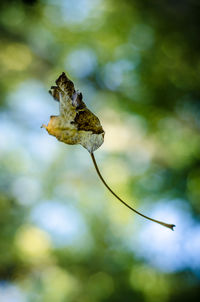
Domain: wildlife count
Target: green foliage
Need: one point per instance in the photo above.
(62, 236)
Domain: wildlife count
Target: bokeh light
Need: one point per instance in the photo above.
(63, 236)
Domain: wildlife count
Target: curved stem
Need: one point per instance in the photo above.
(170, 226)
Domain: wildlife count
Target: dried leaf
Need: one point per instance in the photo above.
(76, 124)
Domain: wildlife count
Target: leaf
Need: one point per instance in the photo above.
(76, 124)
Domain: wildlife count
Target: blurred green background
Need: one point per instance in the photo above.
(63, 237)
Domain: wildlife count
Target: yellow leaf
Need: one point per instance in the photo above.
(76, 124)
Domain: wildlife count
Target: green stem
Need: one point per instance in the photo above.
(170, 226)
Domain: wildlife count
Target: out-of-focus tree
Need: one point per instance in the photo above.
(62, 236)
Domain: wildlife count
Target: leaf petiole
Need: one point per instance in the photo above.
(167, 225)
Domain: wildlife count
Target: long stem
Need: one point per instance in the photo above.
(170, 226)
